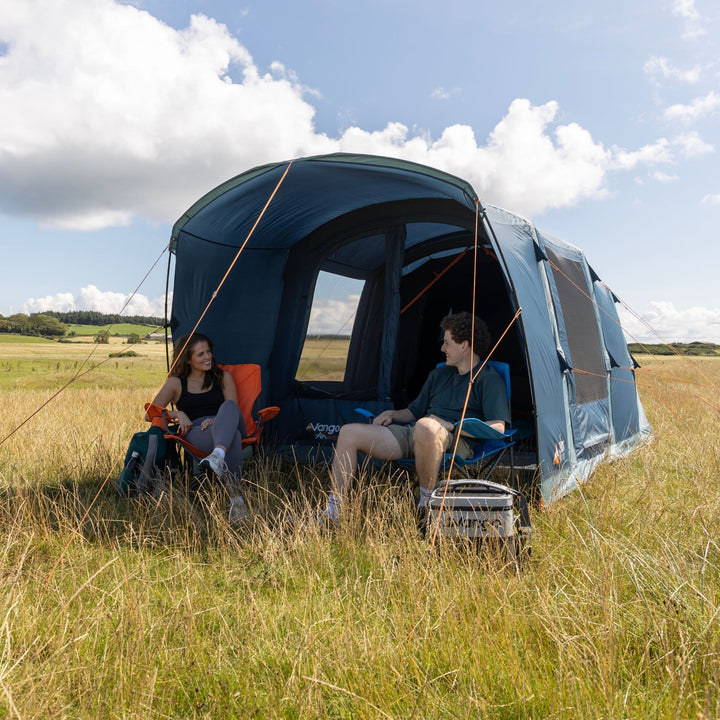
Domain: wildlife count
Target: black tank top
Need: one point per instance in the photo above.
(197, 405)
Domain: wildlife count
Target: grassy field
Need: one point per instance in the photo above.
(116, 329)
(112, 609)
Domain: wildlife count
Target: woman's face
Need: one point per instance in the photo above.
(200, 357)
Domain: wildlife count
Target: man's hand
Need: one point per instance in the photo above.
(384, 418)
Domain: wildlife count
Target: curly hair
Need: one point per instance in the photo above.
(182, 352)
(460, 326)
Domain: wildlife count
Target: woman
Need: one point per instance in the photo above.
(207, 413)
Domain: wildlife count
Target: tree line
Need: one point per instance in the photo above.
(93, 317)
(38, 324)
(54, 324)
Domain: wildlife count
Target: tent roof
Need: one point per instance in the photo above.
(322, 189)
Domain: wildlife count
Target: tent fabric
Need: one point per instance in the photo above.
(407, 232)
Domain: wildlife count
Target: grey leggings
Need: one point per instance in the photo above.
(228, 430)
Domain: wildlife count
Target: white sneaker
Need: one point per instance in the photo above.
(214, 464)
(238, 510)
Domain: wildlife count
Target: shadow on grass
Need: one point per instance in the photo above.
(282, 497)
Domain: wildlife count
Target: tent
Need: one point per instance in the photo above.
(420, 245)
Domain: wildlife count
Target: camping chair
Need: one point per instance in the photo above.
(492, 445)
(247, 378)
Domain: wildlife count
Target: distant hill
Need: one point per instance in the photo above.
(693, 348)
(92, 317)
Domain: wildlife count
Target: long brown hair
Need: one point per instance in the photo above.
(182, 352)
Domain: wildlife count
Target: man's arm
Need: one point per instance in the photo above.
(498, 425)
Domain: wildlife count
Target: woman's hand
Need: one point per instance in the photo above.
(206, 423)
(183, 421)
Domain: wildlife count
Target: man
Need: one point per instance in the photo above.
(430, 419)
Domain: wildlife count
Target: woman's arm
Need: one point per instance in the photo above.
(229, 389)
(170, 393)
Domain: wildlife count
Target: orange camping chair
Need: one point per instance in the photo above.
(247, 379)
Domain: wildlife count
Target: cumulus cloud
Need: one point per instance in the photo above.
(707, 105)
(661, 68)
(651, 154)
(90, 298)
(663, 322)
(333, 317)
(711, 200)
(693, 20)
(664, 177)
(110, 114)
(441, 93)
(691, 145)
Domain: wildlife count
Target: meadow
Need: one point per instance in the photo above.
(117, 609)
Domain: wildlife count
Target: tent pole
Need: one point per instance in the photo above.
(167, 320)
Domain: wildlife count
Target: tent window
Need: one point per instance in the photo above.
(583, 335)
(332, 317)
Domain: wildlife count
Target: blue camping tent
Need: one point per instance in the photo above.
(408, 233)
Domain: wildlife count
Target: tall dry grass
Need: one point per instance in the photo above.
(117, 609)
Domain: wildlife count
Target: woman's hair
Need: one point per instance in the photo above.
(460, 326)
(182, 352)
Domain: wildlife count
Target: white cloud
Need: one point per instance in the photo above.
(109, 114)
(658, 152)
(525, 165)
(333, 317)
(663, 322)
(693, 20)
(660, 67)
(664, 177)
(662, 151)
(711, 200)
(441, 93)
(691, 145)
(90, 298)
(706, 105)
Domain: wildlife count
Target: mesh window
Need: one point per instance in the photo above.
(583, 336)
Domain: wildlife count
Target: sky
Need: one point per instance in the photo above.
(598, 121)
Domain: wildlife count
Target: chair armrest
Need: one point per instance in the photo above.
(480, 430)
(159, 416)
(367, 413)
(267, 414)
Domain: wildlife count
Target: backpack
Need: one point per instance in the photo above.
(144, 458)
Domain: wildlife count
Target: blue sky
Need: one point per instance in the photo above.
(598, 121)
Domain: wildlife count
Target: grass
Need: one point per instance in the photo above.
(116, 329)
(116, 609)
(323, 358)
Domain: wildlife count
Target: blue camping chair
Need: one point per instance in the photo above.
(491, 446)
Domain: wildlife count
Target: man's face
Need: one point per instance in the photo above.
(454, 352)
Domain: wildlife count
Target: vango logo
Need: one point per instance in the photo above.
(323, 431)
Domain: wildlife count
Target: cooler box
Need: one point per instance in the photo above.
(480, 509)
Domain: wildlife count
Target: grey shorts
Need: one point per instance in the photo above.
(404, 435)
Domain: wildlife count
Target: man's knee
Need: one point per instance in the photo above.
(429, 432)
(351, 434)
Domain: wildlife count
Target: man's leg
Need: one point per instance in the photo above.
(375, 441)
(431, 440)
